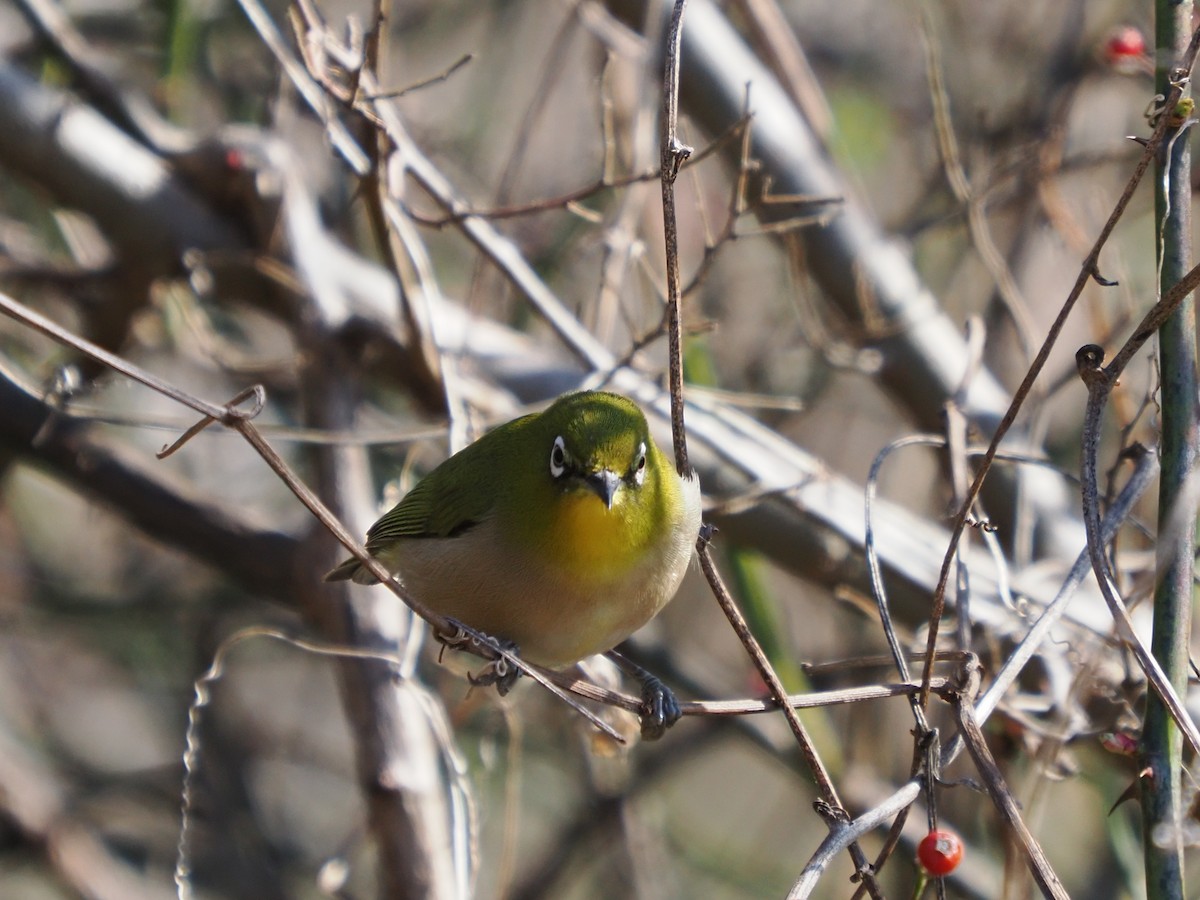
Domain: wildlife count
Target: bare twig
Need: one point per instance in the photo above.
(444, 75)
(673, 154)
(565, 201)
(1090, 270)
(842, 835)
(1001, 796)
(960, 184)
(1099, 380)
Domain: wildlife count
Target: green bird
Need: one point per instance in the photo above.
(562, 532)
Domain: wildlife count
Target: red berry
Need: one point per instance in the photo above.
(940, 852)
(1118, 742)
(1124, 44)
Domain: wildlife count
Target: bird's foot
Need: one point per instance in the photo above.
(660, 710)
(500, 671)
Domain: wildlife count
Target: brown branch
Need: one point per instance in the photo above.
(993, 781)
(673, 154)
(604, 183)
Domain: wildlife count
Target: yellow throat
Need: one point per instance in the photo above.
(592, 541)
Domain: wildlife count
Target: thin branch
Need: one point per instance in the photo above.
(444, 75)
(1090, 270)
(673, 154)
(1002, 798)
(960, 184)
(570, 198)
(1099, 381)
(842, 835)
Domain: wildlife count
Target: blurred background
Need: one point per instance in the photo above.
(887, 206)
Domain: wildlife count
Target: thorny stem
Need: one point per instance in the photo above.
(1161, 742)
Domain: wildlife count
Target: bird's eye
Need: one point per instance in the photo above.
(558, 458)
(639, 465)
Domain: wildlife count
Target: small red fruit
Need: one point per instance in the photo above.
(1119, 742)
(940, 852)
(1124, 45)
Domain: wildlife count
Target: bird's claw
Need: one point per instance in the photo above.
(500, 671)
(660, 710)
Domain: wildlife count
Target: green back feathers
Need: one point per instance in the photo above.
(458, 493)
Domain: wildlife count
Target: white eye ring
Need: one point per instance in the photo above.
(558, 458)
(639, 466)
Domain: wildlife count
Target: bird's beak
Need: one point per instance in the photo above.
(605, 483)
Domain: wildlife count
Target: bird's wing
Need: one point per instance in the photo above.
(454, 497)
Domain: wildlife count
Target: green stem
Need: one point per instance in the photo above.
(1161, 743)
(183, 53)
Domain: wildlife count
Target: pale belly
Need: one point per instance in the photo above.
(554, 618)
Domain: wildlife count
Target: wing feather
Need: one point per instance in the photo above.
(453, 498)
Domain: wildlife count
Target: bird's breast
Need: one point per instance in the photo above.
(591, 541)
(579, 583)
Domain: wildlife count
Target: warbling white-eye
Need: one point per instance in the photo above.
(562, 532)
